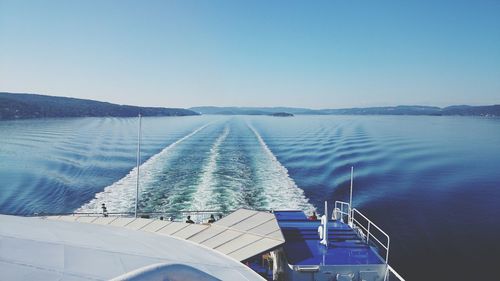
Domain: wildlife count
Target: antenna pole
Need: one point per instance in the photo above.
(323, 229)
(138, 164)
(350, 197)
(326, 224)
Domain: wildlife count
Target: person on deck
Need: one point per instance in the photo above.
(104, 210)
(189, 220)
(313, 217)
(212, 219)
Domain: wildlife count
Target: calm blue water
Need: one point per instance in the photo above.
(433, 183)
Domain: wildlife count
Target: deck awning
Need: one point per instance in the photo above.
(240, 235)
(245, 233)
(39, 249)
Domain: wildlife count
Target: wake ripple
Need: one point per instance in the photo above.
(205, 188)
(280, 190)
(120, 196)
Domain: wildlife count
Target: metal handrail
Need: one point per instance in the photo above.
(369, 234)
(390, 271)
(339, 207)
(197, 216)
(129, 213)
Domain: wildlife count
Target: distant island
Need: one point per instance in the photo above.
(281, 114)
(460, 110)
(24, 106)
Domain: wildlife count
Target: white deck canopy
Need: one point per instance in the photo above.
(246, 233)
(240, 235)
(57, 249)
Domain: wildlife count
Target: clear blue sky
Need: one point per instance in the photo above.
(318, 54)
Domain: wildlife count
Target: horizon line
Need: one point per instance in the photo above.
(239, 106)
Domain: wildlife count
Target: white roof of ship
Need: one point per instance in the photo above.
(240, 235)
(246, 233)
(62, 249)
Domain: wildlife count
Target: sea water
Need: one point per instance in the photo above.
(432, 183)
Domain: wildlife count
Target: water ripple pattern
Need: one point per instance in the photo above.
(280, 190)
(120, 196)
(205, 192)
(222, 166)
(430, 182)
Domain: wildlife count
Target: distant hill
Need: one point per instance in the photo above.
(22, 106)
(250, 110)
(488, 110)
(463, 110)
(281, 114)
(387, 110)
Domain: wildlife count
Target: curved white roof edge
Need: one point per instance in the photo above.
(166, 271)
(240, 235)
(42, 249)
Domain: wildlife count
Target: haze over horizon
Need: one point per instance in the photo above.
(322, 54)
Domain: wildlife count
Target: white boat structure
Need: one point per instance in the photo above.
(244, 245)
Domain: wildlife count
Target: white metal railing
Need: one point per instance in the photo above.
(367, 231)
(342, 209)
(198, 216)
(391, 274)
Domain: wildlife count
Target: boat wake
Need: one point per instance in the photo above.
(280, 189)
(120, 196)
(205, 191)
(226, 167)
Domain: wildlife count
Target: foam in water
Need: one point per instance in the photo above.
(266, 179)
(120, 196)
(280, 190)
(205, 188)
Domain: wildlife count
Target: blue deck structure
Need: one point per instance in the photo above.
(348, 253)
(302, 247)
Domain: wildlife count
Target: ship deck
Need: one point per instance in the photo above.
(302, 245)
(58, 249)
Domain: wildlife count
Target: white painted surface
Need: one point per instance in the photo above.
(138, 223)
(221, 238)
(240, 235)
(41, 249)
(207, 234)
(253, 221)
(190, 230)
(236, 217)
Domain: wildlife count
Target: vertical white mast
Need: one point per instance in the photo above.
(138, 163)
(323, 228)
(350, 197)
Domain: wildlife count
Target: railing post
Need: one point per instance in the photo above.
(138, 164)
(368, 234)
(351, 216)
(350, 196)
(387, 253)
